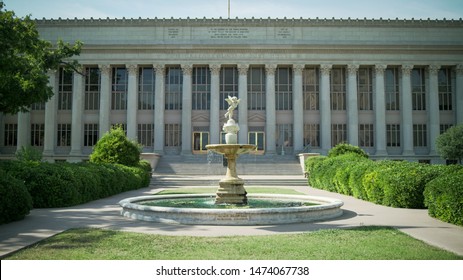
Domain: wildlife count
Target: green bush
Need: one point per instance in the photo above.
(15, 200)
(344, 148)
(28, 154)
(114, 147)
(67, 184)
(444, 196)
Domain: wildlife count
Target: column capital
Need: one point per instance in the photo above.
(459, 69)
(433, 69)
(407, 69)
(132, 69)
(105, 69)
(215, 69)
(243, 69)
(187, 69)
(298, 68)
(380, 68)
(325, 69)
(270, 69)
(160, 69)
(352, 69)
(52, 72)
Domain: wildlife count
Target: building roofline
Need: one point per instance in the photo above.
(254, 22)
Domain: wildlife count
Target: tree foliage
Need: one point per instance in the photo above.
(25, 60)
(450, 143)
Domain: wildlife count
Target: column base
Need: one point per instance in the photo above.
(231, 191)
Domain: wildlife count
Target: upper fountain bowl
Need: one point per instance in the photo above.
(227, 149)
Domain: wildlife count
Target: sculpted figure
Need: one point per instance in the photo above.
(233, 102)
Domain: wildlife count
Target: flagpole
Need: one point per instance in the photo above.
(228, 8)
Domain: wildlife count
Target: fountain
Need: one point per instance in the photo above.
(230, 206)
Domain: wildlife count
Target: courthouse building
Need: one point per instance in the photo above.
(390, 86)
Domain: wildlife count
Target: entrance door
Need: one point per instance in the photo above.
(257, 138)
(200, 140)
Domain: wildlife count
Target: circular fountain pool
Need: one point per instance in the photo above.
(281, 209)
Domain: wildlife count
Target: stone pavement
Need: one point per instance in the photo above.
(104, 213)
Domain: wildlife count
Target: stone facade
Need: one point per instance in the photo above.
(357, 65)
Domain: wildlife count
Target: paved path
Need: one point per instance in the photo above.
(104, 213)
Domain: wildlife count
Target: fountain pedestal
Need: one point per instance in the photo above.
(231, 188)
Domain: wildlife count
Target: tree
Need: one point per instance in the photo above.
(25, 60)
(450, 143)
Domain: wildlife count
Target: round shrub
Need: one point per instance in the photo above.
(344, 148)
(444, 197)
(114, 147)
(15, 200)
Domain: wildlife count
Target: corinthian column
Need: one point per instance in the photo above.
(433, 110)
(132, 102)
(186, 109)
(51, 108)
(215, 103)
(298, 109)
(352, 106)
(105, 98)
(159, 101)
(459, 94)
(243, 96)
(380, 111)
(24, 130)
(406, 111)
(270, 111)
(77, 112)
(325, 108)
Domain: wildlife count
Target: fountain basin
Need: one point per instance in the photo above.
(327, 208)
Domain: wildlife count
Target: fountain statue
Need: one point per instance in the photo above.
(231, 188)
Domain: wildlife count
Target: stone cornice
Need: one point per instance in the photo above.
(301, 22)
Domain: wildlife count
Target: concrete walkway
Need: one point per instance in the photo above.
(104, 213)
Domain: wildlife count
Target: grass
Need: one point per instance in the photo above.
(213, 190)
(363, 243)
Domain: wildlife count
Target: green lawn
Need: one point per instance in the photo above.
(363, 243)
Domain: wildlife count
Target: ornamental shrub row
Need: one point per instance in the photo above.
(391, 183)
(15, 200)
(64, 184)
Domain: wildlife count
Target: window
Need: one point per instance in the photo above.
(90, 134)
(418, 89)
(284, 88)
(92, 89)
(173, 90)
(39, 106)
(65, 90)
(256, 88)
(284, 136)
(366, 135)
(392, 88)
(312, 135)
(445, 89)
(311, 88)
(338, 89)
(419, 135)
(37, 134)
(393, 135)
(119, 89)
(444, 127)
(365, 88)
(11, 135)
(146, 134)
(64, 134)
(146, 88)
(338, 134)
(228, 85)
(173, 135)
(201, 88)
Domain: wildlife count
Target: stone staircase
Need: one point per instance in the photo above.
(213, 164)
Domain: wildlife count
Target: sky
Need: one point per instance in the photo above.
(402, 9)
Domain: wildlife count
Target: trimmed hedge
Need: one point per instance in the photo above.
(66, 184)
(15, 200)
(391, 183)
(444, 196)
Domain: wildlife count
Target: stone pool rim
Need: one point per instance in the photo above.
(328, 208)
